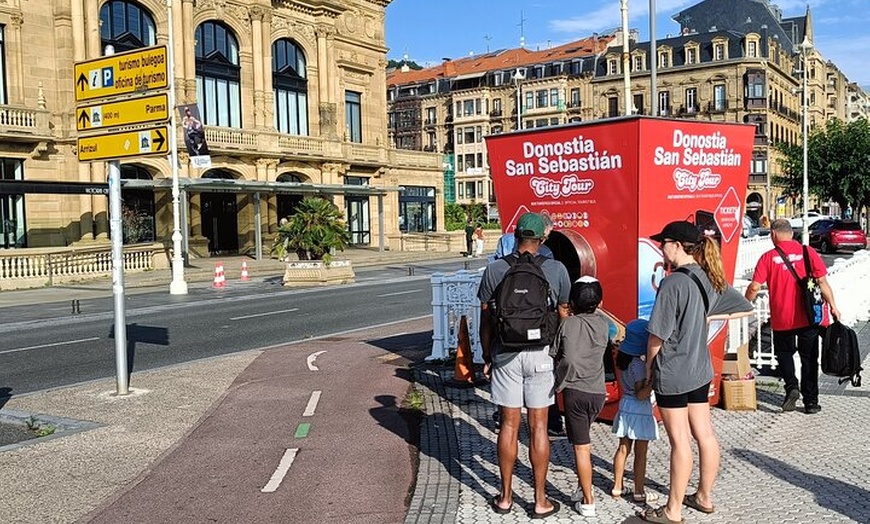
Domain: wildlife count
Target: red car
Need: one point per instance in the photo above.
(830, 236)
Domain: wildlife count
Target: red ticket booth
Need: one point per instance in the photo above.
(609, 185)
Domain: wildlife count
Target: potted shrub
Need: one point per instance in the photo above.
(314, 232)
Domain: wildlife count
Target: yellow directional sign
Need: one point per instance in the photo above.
(144, 110)
(152, 141)
(130, 72)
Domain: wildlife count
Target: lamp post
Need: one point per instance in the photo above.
(805, 48)
(518, 77)
(178, 286)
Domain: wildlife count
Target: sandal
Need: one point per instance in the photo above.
(647, 496)
(535, 515)
(493, 503)
(658, 516)
(618, 493)
(692, 502)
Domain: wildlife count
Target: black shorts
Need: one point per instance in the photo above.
(581, 410)
(698, 396)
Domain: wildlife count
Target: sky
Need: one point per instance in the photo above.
(429, 30)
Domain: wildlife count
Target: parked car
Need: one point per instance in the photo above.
(797, 221)
(830, 236)
(752, 229)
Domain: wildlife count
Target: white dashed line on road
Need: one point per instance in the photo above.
(53, 344)
(400, 293)
(266, 314)
(311, 358)
(312, 404)
(281, 470)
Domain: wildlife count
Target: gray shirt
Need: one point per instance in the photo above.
(579, 352)
(554, 272)
(678, 318)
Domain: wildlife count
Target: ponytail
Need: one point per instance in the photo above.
(706, 254)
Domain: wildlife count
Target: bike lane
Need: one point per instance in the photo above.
(335, 401)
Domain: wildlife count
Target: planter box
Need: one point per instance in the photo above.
(317, 273)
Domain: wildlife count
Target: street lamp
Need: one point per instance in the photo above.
(805, 47)
(518, 77)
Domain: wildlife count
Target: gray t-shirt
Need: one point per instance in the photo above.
(678, 318)
(554, 272)
(579, 349)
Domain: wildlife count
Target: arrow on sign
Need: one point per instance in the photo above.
(160, 140)
(84, 118)
(82, 82)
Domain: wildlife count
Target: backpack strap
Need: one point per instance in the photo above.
(697, 280)
(787, 262)
(807, 263)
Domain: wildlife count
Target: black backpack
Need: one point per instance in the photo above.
(525, 309)
(840, 354)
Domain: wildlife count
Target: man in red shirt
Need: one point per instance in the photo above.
(788, 319)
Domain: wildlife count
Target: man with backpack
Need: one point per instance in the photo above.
(783, 269)
(523, 297)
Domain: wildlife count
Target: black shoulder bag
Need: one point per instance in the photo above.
(697, 280)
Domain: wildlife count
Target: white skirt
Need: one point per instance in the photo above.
(635, 420)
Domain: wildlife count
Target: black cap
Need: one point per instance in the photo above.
(681, 231)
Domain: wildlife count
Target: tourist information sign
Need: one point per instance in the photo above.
(121, 74)
(151, 141)
(143, 110)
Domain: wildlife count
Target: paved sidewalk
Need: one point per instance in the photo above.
(776, 467)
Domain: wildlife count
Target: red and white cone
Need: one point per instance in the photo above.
(220, 280)
(245, 276)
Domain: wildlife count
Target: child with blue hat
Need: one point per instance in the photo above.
(635, 424)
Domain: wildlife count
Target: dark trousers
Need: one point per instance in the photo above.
(554, 419)
(468, 246)
(806, 342)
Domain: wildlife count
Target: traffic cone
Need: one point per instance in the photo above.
(463, 373)
(245, 276)
(220, 281)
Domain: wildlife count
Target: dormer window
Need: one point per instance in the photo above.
(637, 63)
(664, 59)
(720, 50)
(691, 56)
(612, 67)
(752, 49)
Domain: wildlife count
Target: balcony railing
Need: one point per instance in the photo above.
(401, 158)
(495, 113)
(22, 122)
(717, 107)
(300, 144)
(231, 138)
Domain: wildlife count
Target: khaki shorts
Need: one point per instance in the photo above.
(522, 379)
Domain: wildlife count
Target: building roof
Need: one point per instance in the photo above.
(742, 17)
(502, 59)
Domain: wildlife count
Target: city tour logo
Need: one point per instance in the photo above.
(686, 180)
(569, 185)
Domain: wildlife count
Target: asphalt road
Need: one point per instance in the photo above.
(44, 346)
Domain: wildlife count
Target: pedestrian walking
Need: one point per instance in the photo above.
(791, 328)
(478, 240)
(635, 424)
(578, 351)
(679, 364)
(522, 378)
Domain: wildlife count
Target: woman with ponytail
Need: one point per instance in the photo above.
(678, 361)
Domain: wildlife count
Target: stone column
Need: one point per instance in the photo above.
(80, 52)
(189, 51)
(99, 203)
(178, 51)
(272, 199)
(268, 97)
(326, 105)
(256, 14)
(92, 28)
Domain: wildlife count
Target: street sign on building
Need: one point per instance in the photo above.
(124, 73)
(151, 141)
(143, 110)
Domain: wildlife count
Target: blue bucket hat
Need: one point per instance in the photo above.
(636, 337)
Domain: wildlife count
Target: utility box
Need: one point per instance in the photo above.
(608, 185)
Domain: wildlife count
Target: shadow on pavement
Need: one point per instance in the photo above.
(5, 395)
(836, 495)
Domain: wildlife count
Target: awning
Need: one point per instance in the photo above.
(467, 76)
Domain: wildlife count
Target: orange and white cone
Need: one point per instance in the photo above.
(220, 280)
(463, 373)
(245, 276)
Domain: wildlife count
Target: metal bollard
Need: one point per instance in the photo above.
(465, 264)
(410, 271)
(76, 307)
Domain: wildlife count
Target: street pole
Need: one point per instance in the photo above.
(178, 286)
(625, 58)
(122, 382)
(805, 48)
(518, 77)
(653, 59)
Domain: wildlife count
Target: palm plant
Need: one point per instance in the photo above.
(313, 232)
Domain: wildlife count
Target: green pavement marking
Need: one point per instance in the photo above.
(302, 430)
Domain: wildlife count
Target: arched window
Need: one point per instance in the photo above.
(125, 26)
(218, 75)
(290, 86)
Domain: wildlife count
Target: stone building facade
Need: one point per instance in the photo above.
(736, 61)
(290, 92)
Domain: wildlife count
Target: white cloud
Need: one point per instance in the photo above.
(849, 53)
(609, 16)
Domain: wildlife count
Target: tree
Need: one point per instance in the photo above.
(313, 231)
(838, 163)
(396, 64)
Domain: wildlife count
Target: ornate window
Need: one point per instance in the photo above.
(126, 26)
(218, 75)
(290, 87)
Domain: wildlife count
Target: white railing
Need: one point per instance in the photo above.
(300, 144)
(455, 296)
(24, 120)
(31, 268)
